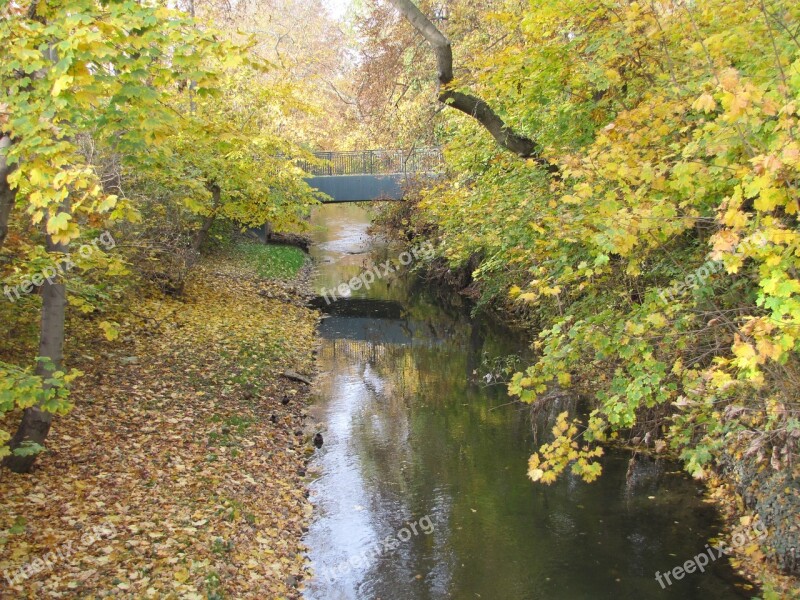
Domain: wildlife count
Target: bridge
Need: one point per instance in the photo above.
(371, 174)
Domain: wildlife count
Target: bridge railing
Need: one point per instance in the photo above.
(377, 162)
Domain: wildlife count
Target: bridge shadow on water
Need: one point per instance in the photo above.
(372, 321)
(359, 307)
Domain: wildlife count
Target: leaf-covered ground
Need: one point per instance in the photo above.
(179, 474)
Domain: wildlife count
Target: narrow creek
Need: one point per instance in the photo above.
(421, 489)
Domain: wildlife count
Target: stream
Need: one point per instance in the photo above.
(420, 490)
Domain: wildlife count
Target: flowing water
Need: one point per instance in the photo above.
(421, 488)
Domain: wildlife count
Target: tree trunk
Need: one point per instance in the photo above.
(202, 234)
(35, 423)
(470, 105)
(7, 195)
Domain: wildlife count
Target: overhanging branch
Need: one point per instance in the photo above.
(483, 113)
(470, 105)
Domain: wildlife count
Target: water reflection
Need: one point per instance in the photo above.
(410, 433)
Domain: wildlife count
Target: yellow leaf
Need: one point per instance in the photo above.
(751, 549)
(181, 575)
(744, 352)
(36, 177)
(58, 223)
(729, 79)
(768, 199)
(61, 83)
(110, 330)
(705, 103)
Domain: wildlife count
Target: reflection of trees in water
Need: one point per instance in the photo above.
(545, 411)
(343, 353)
(380, 431)
(394, 371)
(393, 441)
(430, 443)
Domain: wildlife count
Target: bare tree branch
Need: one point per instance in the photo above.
(471, 105)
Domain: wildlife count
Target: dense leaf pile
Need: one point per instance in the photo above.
(180, 446)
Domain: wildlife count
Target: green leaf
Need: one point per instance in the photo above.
(28, 448)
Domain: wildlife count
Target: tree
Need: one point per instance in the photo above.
(313, 60)
(661, 268)
(101, 76)
(227, 160)
(467, 103)
(125, 97)
(36, 419)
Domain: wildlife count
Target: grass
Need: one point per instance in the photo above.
(271, 262)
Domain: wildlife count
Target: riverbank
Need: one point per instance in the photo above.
(179, 473)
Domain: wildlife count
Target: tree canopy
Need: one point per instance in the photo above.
(141, 123)
(660, 267)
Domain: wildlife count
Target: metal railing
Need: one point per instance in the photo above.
(376, 162)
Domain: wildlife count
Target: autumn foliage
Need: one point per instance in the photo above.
(136, 119)
(673, 129)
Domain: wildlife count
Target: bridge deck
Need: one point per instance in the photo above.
(371, 174)
(359, 188)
